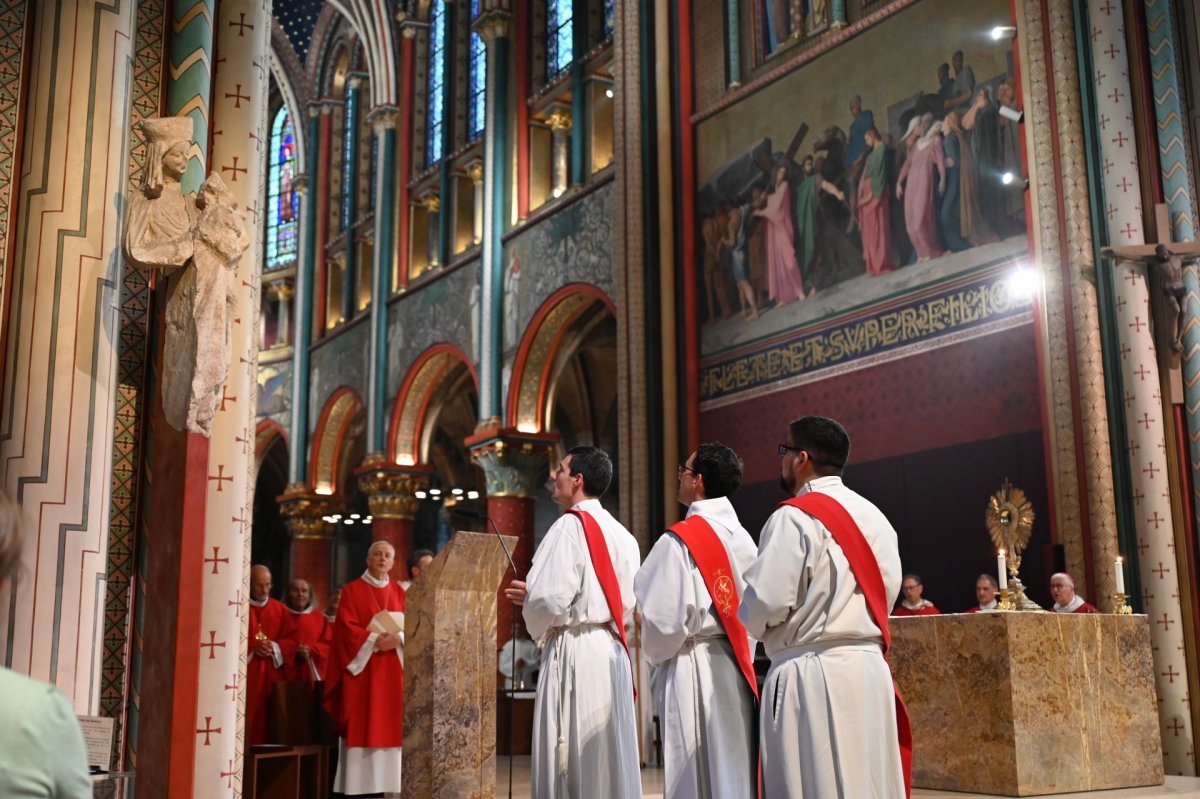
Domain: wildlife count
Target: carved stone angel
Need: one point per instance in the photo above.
(195, 241)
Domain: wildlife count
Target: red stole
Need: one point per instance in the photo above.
(607, 576)
(713, 562)
(846, 533)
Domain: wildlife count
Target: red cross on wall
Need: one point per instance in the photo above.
(220, 478)
(215, 561)
(212, 644)
(208, 730)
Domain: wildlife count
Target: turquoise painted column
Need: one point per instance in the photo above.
(445, 194)
(190, 90)
(306, 269)
(493, 26)
(350, 195)
(837, 14)
(383, 121)
(580, 107)
(733, 45)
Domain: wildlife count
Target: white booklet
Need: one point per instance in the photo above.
(390, 621)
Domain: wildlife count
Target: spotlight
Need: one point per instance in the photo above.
(1024, 282)
(435, 492)
(1007, 178)
(355, 515)
(1003, 32)
(472, 495)
(456, 492)
(558, 191)
(608, 93)
(348, 521)
(419, 494)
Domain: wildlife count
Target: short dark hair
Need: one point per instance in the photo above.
(595, 466)
(957, 54)
(824, 440)
(943, 67)
(916, 578)
(720, 467)
(414, 557)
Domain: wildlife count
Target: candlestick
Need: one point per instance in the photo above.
(1119, 572)
(1001, 571)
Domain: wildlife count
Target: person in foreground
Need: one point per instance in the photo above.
(41, 746)
(1062, 590)
(577, 599)
(364, 688)
(688, 590)
(817, 597)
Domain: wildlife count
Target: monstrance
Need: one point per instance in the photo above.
(1009, 519)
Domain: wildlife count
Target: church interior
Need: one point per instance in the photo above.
(448, 240)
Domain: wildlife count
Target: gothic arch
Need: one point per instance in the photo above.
(330, 439)
(266, 434)
(532, 385)
(433, 372)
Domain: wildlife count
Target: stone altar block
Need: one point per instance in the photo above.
(450, 671)
(1021, 704)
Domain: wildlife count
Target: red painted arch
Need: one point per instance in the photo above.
(319, 434)
(403, 395)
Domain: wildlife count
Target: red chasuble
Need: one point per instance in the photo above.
(367, 708)
(865, 567)
(925, 610)
(712, 560)
(607, 576)
(307, 629)
(273, 622)
(1084, 608)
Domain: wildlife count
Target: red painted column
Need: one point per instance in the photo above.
(408, 32)
(312, 540)
(311, 560)
(321, 205)
(524, 92)
(399, 533)
(515, 464)
(391, 494)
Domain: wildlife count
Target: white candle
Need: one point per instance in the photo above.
(1119, 571)
(1001, 571)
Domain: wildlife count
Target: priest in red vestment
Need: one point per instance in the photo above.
(1062, 590)
(364, 683)
(307, 647)
(914, 604)
(268, 628)
(985, 594)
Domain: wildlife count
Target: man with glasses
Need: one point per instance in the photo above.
(1062, 591)
(817, 597)
(689, 589)
(913, 604)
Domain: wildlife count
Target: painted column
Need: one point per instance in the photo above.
(560, 150)
(837, 14)
(60, 367)
(350, 195)
(392, 497)
(475, 173)
(239, 152)
(305, 297)
(408, 31)
(580, 102)
(191, 77)
(1145, 447)
(383, 122)
(493, 26)
(733, 44)
(312, 538)
(515, 466)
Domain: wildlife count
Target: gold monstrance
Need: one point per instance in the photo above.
(1009, 521)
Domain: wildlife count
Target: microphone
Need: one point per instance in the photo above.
(474, 514)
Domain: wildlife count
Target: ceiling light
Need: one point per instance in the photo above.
(355, 515)
(419, 494)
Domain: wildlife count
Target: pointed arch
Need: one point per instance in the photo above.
(408, 434)
(329, 439)
(266, 434)
(532, 370)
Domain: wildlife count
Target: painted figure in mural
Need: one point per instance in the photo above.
(197, 242)
(945, 83)
(756, 247)
(784, 283)
(862, 120)
(818, 15)
(777, 14)
(737, 220)
(963, 225)
(874, 212)
(921, 180)
(964, 82)
(821, 249)
(992, 145)
(1013, 206)
(712, 231)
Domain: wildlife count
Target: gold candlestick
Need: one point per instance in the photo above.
(1005, 602)
(1122, 606)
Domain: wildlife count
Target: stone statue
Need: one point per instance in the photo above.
(195, 241)
(1170, 270)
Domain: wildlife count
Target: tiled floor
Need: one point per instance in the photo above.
(652, 786)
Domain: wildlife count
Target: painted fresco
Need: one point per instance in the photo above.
(275, 392)
(873, 171)
(444, 311)
(778, 22)
(339, 360)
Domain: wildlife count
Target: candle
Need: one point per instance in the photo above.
(1119, 571)
(1001, 571)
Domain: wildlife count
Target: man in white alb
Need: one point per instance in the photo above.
(829, 721)
(584, 729)
(705, 689)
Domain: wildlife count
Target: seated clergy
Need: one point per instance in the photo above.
(985, 594)
(1062, 591)
(913, 604)
(307, 645)
(268, 628)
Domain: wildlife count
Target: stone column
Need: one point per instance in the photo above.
(515, 466)
(733, 32)
(383, 123)
(60, 365)
(349, 189)
(1145, 428)
(560, 150)
(475, 173)
(305, 272)
(433, 207)
(493, 26)
(391, 495)
(239, 152)
(312, 537)
(837, 14)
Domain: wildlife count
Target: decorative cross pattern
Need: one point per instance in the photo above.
(1155, 519)
(240, 521)
(226, 397)
(228, 775)
(215, 560)
(212, 644)
(237, 96)
(236, 602)
(235, 169)
(1160, 570)
(233, 687)
(220, 478)
(208, 730)
(241, 25)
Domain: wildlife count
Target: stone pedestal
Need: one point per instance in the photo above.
(515, 465)
(391, 496)
(450, 671)
(1021, 704)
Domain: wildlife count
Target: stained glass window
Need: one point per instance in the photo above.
(560, 49)
(348, 164)
(437, 82)
(476, 99)
(610, 17)
(283, 202)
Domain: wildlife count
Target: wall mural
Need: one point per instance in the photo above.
(340, 360)
(445, 311)
(275, 392)
(885, 175)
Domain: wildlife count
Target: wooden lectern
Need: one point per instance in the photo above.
(450, 671)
